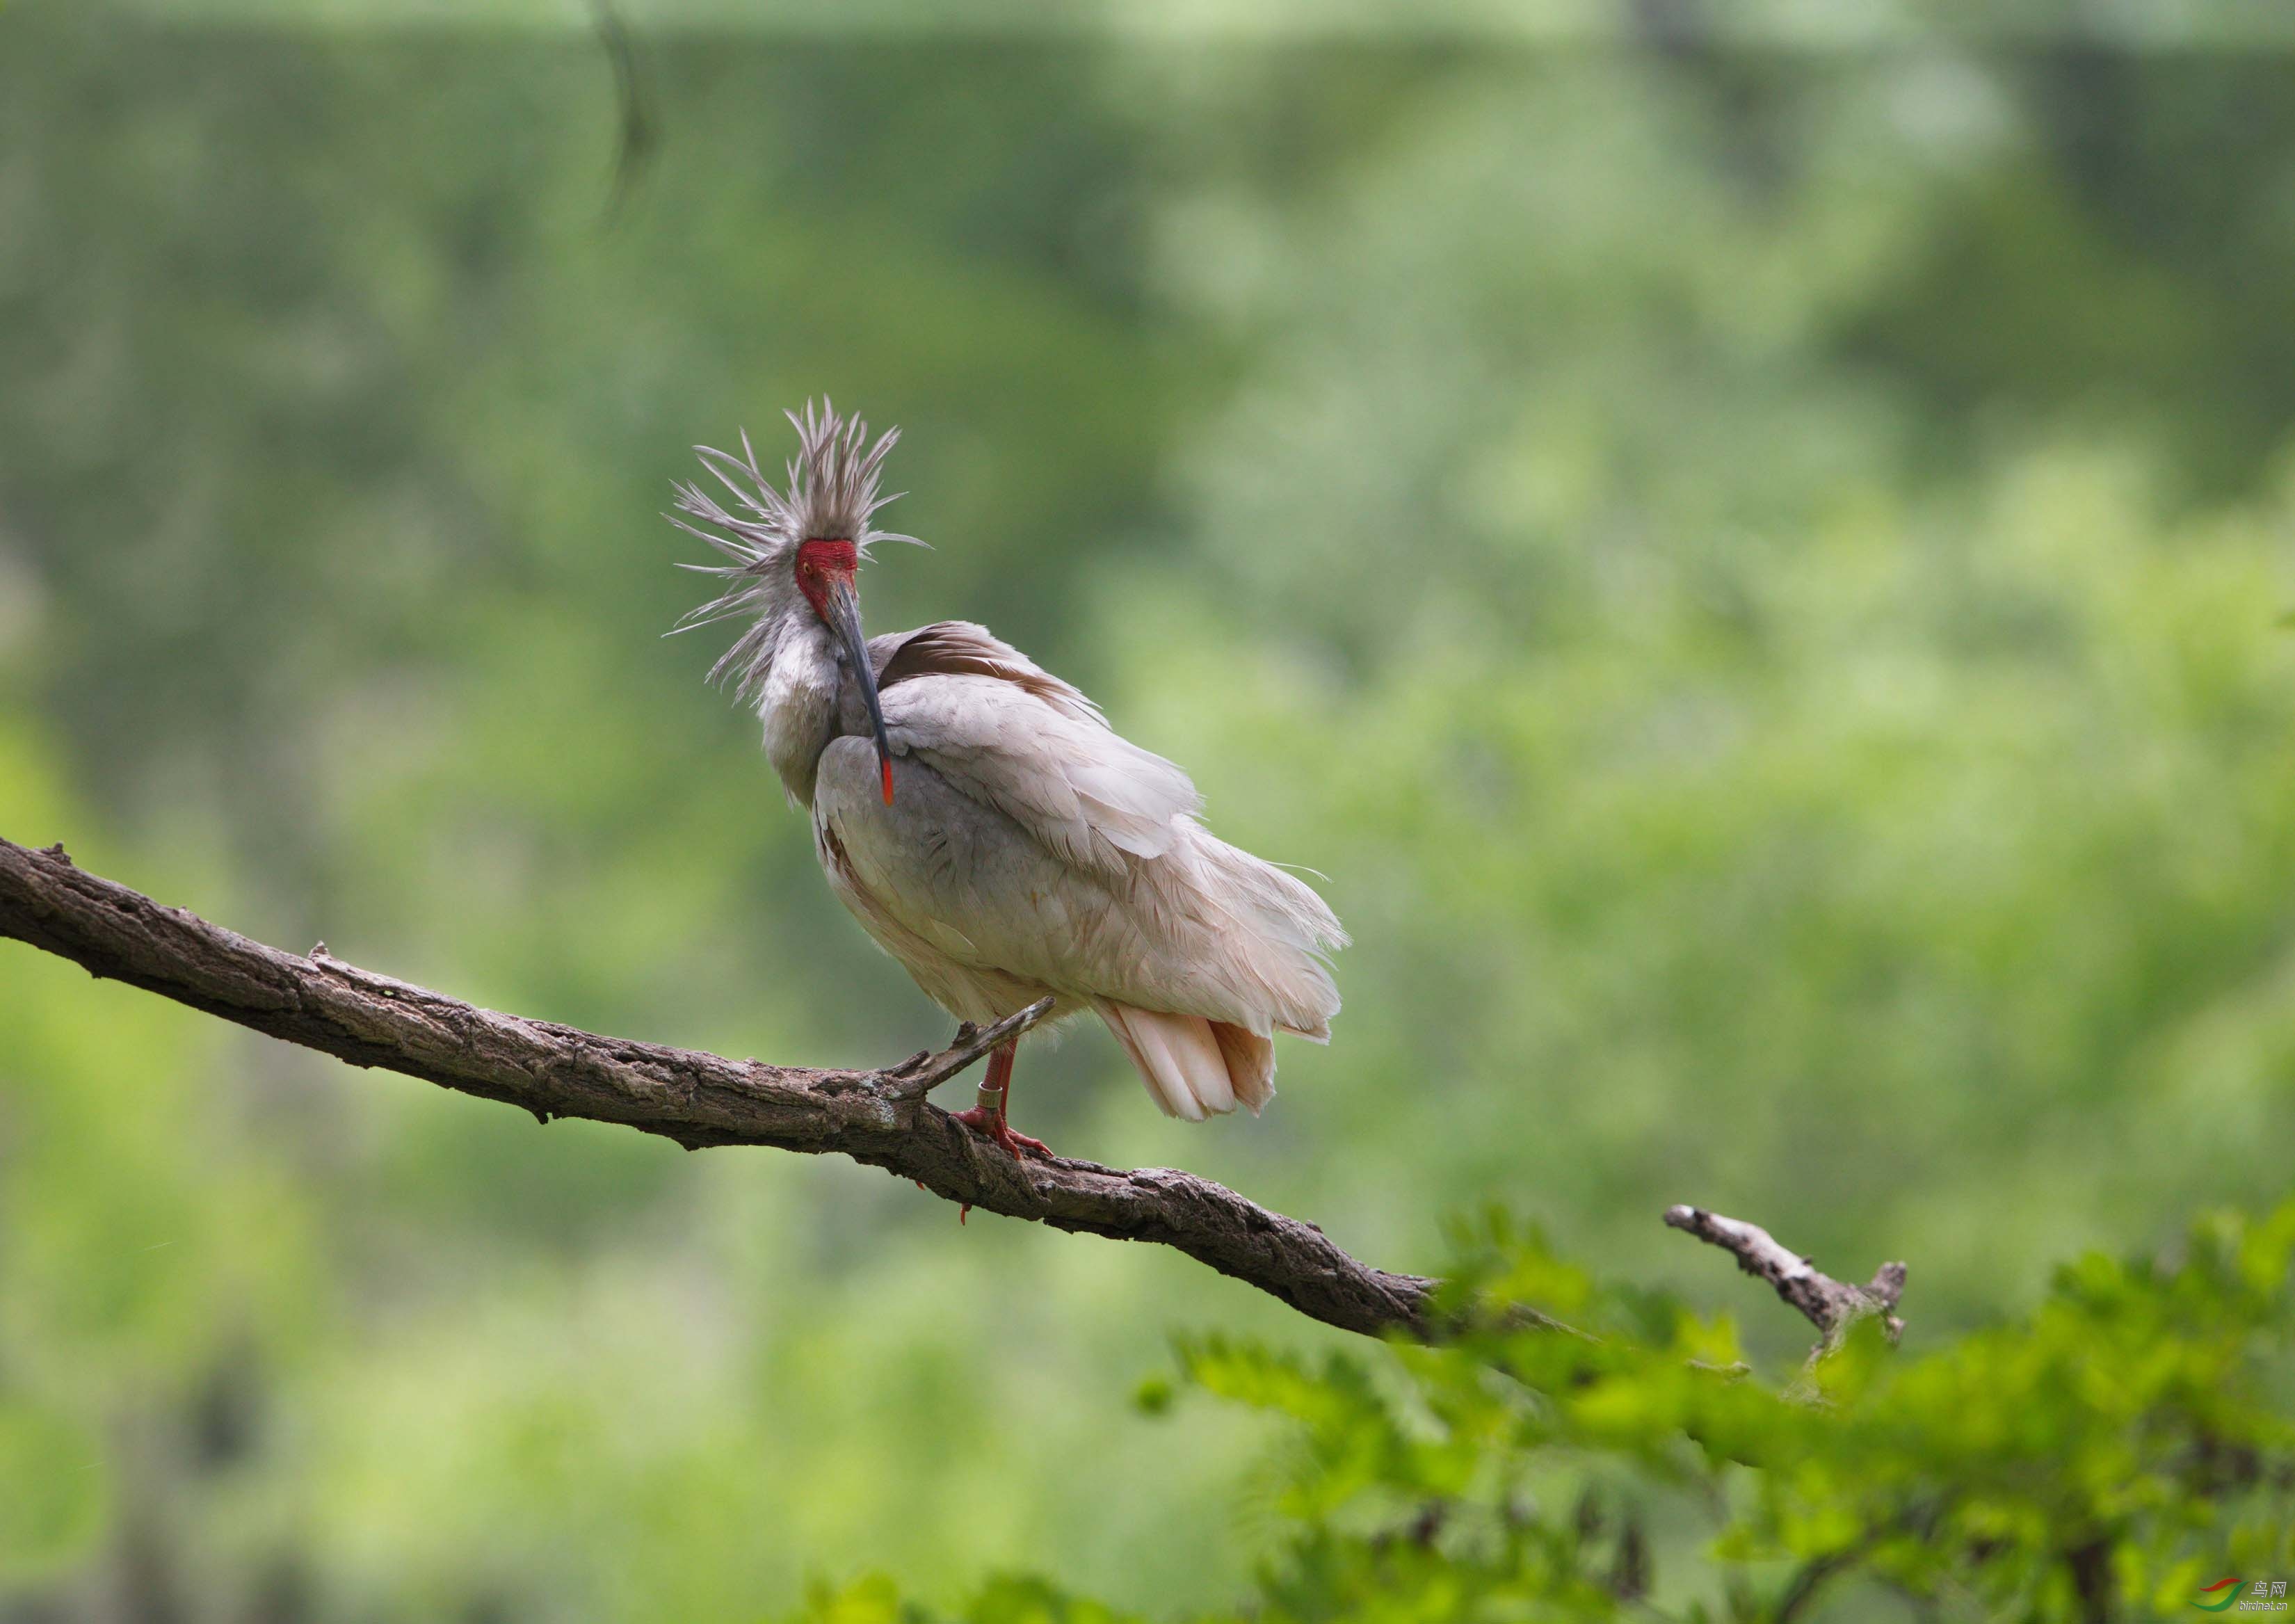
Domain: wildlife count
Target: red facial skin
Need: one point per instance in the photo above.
(822, 564)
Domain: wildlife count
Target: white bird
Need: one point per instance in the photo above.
(981, 820)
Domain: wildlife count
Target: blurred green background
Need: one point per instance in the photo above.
(1755, 564)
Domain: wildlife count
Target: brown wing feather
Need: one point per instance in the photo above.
(960, 648)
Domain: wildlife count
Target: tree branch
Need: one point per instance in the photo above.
(1830, 1305)
(881, 1118)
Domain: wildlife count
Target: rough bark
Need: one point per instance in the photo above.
(878, 1117)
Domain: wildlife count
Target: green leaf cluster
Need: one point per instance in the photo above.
(2124, 1444)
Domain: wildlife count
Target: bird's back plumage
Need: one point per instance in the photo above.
(1030, 848)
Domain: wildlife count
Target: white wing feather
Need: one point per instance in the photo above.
(1081, 788)
(1030, 845)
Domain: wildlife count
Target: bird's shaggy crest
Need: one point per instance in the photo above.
(832, 493)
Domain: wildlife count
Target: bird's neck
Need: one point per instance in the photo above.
(798, 705)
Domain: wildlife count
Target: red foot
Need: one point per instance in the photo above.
(992, 1126)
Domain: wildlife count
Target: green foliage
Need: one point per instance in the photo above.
(54, 1511)
(1002, 1600)
(2125, 1443)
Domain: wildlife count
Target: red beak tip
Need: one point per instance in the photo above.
(888, 782)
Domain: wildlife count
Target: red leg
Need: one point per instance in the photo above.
(988, 1116)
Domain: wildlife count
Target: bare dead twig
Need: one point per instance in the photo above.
(1830, 1305)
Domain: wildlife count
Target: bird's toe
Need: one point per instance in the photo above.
(992, 1126)
(1020, 1144)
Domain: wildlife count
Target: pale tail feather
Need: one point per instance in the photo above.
(1193, 1068)
(1250, 1063)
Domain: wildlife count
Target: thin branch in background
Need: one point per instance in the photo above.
(639, 131)
(1830, 1305)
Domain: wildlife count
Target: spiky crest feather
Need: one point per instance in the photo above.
(831, 495)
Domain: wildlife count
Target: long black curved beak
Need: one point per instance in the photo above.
(845, 620)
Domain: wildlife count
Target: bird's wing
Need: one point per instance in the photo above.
(1028, 846)
(1014, 736)
(955, 887)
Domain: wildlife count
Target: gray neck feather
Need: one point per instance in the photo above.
(797, 700)
(786, 661)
